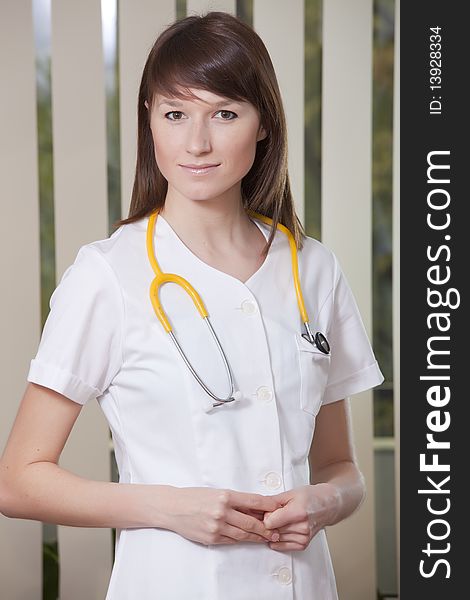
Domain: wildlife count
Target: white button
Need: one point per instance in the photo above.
(248, 307)
(264, 393)
(272, 480)
(284, 575)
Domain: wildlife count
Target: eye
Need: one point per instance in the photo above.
(173, 112)
(228, 112)
(178, 112)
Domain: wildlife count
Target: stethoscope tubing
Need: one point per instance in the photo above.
(218, 401)
(161, 278)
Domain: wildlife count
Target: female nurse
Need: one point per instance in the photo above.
(215, 500)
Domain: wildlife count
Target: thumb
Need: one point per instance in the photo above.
(271, 520)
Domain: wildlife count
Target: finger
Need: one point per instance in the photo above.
(281, 518)
(258, 502)
(233, 535)
(289, 529)
(293, 541)
(227, 540)
(284, 546)
(288, 515)
(303, 528)
(293, 537)
(240, 535)
(247, 523)
(258, 514)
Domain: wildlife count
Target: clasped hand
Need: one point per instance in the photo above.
(302, 513)
(287, 521)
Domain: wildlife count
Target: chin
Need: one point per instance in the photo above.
(203, 195)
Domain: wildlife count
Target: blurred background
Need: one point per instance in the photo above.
(69, 77)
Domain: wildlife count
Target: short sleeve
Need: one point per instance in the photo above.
(80, 350)
(353, 367)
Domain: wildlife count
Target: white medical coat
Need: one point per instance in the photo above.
(103, 340)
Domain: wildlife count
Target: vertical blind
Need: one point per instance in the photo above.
(80, 202)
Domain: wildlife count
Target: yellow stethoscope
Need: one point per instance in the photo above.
(319, 340)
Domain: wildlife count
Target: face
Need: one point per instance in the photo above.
(211, 131)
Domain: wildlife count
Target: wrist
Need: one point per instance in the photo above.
(160, 503)
(336, 496)
(332, 499)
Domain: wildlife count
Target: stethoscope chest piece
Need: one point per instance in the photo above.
(320, 342)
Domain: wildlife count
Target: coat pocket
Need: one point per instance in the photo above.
(314, 368)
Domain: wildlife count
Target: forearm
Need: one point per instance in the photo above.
(348, 487)
(46, 492)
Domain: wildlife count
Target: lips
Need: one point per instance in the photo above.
(199, 169)
(201, 166)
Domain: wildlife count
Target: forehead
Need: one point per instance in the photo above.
(202, 97)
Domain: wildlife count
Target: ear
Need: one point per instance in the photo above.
(146, 105)
(261, 134)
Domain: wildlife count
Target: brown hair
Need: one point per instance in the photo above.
(219, 53)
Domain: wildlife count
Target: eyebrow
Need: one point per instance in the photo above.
(216, 105)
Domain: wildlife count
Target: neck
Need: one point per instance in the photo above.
(214, 225)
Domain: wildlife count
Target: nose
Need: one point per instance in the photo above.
(198, 140)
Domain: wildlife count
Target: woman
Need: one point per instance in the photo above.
(216, 498)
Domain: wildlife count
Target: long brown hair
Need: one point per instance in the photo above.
(219, 53)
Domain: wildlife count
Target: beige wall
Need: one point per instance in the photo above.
(20, 541)
(80, 204)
